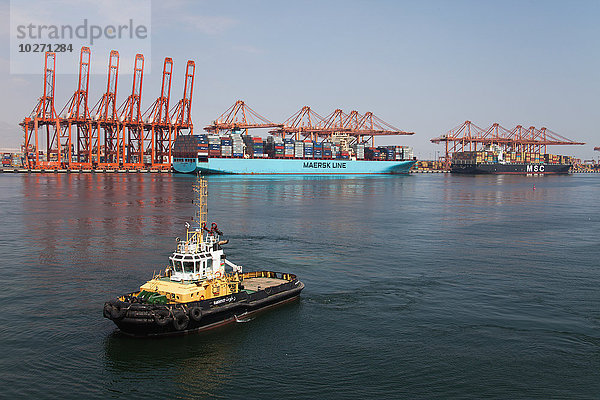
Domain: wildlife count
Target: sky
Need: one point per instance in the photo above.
(422, 66)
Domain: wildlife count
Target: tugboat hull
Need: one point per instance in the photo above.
(144, 320)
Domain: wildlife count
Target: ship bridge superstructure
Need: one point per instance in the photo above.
(196, 261)
(200, 255)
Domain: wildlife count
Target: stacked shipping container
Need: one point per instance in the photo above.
(489, 157)
(238, 146)
(288, 145)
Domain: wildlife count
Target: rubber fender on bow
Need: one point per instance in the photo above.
(118, 310)
(107, 310)
(180, 320)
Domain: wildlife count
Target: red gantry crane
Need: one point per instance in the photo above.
(305, 123)
(354, 126)
(470, 137)
(130, 117)
(181, 114)
(106, 136)
(75, 120)
(369, 125)
(157, 124)
(239, 117)
(106, 133)
(43, 116)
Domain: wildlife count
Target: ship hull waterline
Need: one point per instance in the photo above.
(265, 166)
(511, 169)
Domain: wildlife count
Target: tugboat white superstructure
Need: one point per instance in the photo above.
(200, 288)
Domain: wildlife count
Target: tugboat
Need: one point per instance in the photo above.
(200, 289)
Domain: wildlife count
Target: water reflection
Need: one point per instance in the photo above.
(481, 198)
(197, 363)
(81, 227)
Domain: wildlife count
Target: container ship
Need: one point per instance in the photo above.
(495, 161)
(243, 154)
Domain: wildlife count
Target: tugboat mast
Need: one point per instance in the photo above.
(200, 198)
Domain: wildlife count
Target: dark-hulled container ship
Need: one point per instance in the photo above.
(496, 161)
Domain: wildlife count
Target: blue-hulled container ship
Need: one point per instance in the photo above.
(238, 154)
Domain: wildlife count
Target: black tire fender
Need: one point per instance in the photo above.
(107, 310)
(118, 310)
(161, 316)
(195, 313)
(180, 320)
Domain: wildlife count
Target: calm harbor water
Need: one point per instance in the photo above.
(423, 286)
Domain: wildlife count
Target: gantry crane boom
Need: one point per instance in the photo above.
(359, 128)
(240, 117)
(470, 137)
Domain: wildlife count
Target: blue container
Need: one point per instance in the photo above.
(214, 146)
